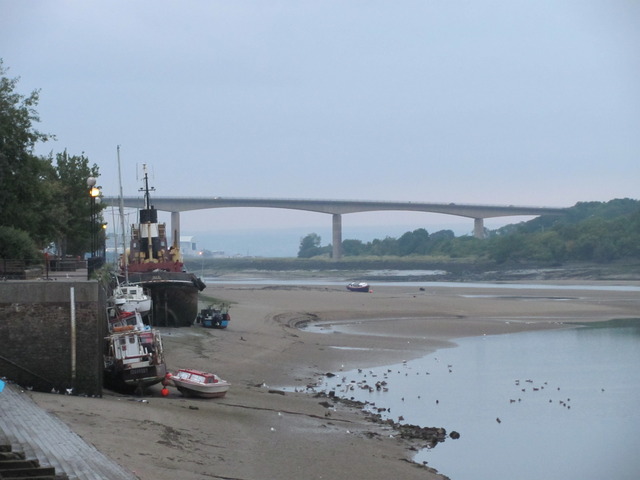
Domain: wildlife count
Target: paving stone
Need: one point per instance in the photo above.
(43, 436)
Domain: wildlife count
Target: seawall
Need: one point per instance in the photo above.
(51, 334)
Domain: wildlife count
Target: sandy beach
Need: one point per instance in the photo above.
(256, 431)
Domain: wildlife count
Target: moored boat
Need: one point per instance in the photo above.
(133, 354)
(358, 287)
(154, 265)
(214, 316)
(196, 383)
(131, 298)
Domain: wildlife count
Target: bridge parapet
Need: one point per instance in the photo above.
(336, 208)
(333, 207)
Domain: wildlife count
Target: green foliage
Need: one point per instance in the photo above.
(590, 231)
(25, 190)
(75, 207)
(49, 203)
(17, 245)
(310, 246)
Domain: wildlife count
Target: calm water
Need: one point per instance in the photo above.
(567, 401)
(267, 279)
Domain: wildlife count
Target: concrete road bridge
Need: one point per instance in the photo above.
(336, 208)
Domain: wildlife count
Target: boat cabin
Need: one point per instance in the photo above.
(197, 376)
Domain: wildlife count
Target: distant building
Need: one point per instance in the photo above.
(188, 247)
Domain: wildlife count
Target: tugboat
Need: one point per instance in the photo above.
(157, 267)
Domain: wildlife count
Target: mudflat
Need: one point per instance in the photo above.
(260, 432)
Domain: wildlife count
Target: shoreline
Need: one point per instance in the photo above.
(256, 432)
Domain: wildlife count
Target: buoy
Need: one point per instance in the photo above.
(164, 392)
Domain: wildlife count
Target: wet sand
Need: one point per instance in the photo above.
(256, 432)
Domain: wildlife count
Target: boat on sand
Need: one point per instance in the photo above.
(215, 316)
(195, 383)
(157, 267)
(133, 354)
(131, 298)
(358, 287)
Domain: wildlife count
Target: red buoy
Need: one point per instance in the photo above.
(164, 392)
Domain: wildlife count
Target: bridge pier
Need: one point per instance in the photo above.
(337, 236)
(478, 227)
(175, 228)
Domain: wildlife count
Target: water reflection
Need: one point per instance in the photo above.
(549, 404)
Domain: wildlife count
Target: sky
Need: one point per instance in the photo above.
(490, 102)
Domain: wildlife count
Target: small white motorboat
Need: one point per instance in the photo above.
(131, 298)
(358, 287)
(195, 383)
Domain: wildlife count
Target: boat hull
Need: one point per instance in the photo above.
(133, 359)
(358, 287)
(204, 392)
(119, 378)
(174, 296)
(195, 383)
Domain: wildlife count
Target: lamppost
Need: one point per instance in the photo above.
(94, 194)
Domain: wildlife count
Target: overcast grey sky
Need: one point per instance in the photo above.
(494, 102)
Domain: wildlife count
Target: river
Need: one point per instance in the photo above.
(557, 404)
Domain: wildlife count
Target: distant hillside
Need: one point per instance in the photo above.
(590, 231)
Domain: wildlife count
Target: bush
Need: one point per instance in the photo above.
(17, 245)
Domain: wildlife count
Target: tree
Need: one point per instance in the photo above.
(17, 245)
(416, 242)
(353, 248)
(24, 178)
(309, 246)
(75, 227)
(46, 202)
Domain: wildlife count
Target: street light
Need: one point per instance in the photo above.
(94, 194)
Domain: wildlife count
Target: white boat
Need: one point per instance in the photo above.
(195, 383)
(125, 321)
(131, 298)
(133, 354)
(358, 287)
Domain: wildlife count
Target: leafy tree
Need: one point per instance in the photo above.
(76, 228)
(353, 248)
(416, 242)
(25, 190)
(47, 202)
(309, 246)
(17, 245)
(381, 248)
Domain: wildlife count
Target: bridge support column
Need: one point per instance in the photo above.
(478, 227)
(175, 229)
(337, 236)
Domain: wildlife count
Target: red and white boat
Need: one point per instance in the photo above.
(195, 383)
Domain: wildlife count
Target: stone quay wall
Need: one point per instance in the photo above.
(39, 346)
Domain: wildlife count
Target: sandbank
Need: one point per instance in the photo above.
(256, 432)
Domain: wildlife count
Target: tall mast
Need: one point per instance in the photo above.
(124, 238)
(146, 189)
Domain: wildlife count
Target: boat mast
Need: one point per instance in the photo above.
(150, 215)
(146, 189)
(124, 240)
